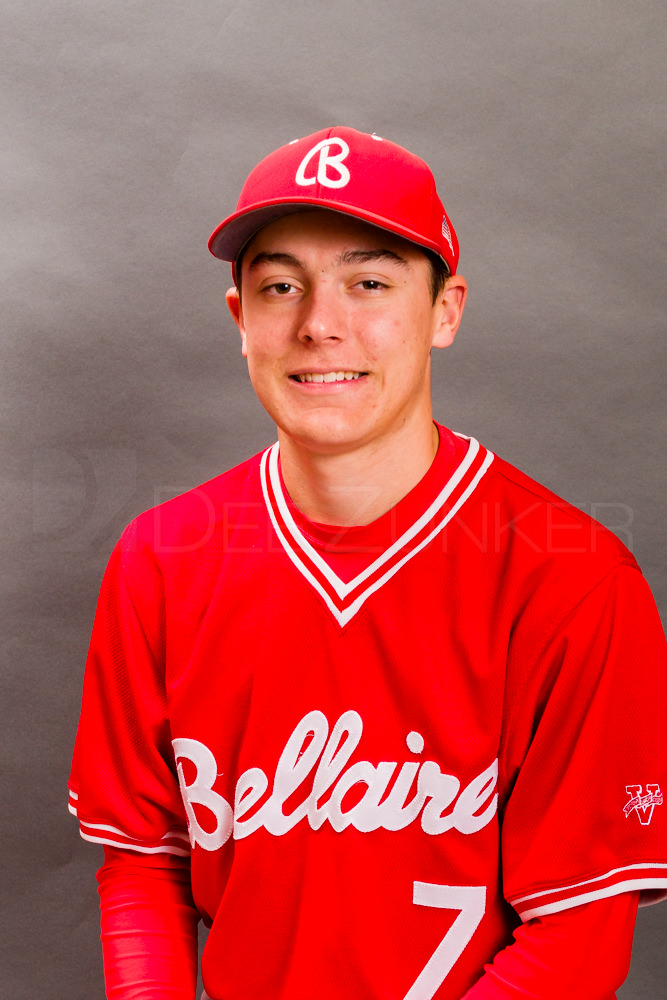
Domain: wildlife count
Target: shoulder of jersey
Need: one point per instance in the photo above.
(190, 519)
(555, 522)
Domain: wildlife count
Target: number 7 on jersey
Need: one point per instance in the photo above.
(470, 900)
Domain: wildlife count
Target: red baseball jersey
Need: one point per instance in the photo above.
(382, 746)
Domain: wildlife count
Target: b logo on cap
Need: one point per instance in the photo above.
(325, 161)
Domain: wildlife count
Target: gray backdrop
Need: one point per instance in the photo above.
(128, 129)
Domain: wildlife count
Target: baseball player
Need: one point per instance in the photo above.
(382, 711)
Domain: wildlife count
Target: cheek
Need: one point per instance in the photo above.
(261, 352)
(266, 370)
(386, 339)
(257, 369)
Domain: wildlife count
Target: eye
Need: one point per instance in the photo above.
(372, 284)
(279, 288)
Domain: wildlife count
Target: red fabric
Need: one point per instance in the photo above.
(149, 937)
(582, 953)
(149, 927)
(520, 633)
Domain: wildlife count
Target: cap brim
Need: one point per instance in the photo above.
(227, 241)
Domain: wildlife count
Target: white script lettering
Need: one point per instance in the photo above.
(312, 748)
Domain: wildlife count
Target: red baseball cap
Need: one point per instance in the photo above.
(346, 171)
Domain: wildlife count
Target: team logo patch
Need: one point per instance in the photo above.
(331, 170)
(642, 804)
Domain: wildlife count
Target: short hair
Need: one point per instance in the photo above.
(439, 272)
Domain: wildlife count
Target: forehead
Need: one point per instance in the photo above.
(321, 232)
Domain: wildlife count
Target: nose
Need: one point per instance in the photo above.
(323, 318)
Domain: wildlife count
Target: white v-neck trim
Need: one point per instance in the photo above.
(302, 553)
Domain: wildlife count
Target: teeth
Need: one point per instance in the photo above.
(329, 377)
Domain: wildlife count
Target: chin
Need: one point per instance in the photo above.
(326, 436)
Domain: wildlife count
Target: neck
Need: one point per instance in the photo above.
(357, 487)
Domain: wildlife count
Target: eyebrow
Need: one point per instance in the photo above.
(348, 257)
(366, 256)
(288, 259)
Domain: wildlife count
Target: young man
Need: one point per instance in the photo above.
(384, 712)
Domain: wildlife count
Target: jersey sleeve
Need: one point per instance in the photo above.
(123, 786)
(584, 760)
(582, 954)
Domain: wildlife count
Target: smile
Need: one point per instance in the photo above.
(328, 377)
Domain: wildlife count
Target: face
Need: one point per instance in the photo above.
(337, 324)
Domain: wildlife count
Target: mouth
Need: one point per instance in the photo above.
(337, 376)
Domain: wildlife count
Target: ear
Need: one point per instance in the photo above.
(236, 309)
(449, 310)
